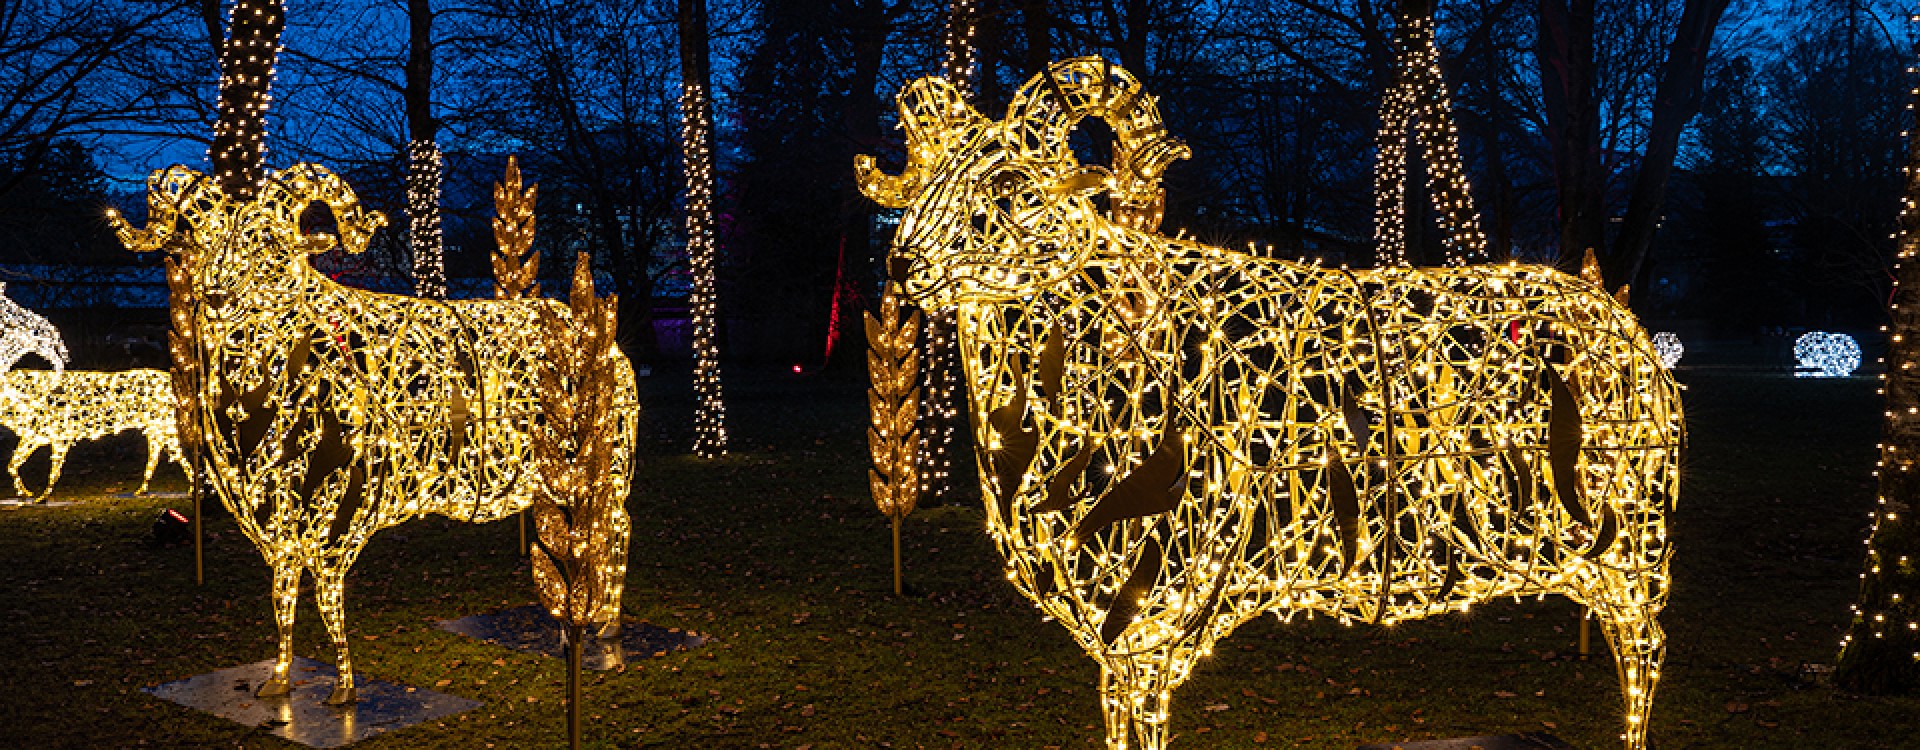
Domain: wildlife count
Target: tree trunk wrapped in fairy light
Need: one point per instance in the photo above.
(893, 401)
(247, 60)
(579, 510)
(1881, 651)
(424, 160)
(1416, 112)
(423, 220)
(696, 149)
(939, 408)
(1176, 438)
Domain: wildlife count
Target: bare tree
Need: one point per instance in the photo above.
(1571, 69)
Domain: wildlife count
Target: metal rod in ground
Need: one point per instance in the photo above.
(522, 515)
(896, 555)
(199, 559)
(575, 634)
(1586, 636)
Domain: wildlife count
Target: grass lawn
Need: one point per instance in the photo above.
(777, 552)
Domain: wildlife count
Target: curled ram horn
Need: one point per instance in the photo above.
(304, 184)
(937, 119)
(1071, 90)
(173, 194)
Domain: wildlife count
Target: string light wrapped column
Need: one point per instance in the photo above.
(1417, 112)
(696, 149)
(1881, 651)
(247, 62)
(423, 220)
(940, 393)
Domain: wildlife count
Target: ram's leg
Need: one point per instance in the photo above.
(286, 595)
(155, 444)
(1136, 696)
(56, 461)
(332, 589)
(1628, 618)
(28, 444)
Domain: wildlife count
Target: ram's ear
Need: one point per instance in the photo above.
(1082, 181)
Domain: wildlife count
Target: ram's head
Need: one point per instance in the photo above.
(229, 246)
(996, 210)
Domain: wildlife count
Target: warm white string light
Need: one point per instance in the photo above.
(423, 220)
(330, 413)
(1174, 438)
(247, 61)
(696, 150)
(1416, 111)
(1826, 355)
(1881, 651)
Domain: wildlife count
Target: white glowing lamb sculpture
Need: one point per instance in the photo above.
(1175, 438)
(24, 332)
(330, 413)
(56, 408)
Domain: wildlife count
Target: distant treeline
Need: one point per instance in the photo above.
(1777, 210)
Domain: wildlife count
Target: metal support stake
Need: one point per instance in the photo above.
(1586, 633)
(522, 515)
(896, 556)
(199, 556)
(575, 634)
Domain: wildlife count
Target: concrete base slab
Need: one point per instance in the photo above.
(301, 716)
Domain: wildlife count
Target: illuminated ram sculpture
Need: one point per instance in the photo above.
(1176, 438)
(330, 413)
(54, 410)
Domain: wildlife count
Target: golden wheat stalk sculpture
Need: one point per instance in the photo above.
(893, 362)
(515, 262)
(579, 512)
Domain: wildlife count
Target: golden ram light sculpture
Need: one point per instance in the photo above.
(331, 413)
(1175, 438)
(54, 410)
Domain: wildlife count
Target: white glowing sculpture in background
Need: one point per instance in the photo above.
(1176, 438)
(1667, 345)
(23, 332)
(1826, 355)
(329, 413)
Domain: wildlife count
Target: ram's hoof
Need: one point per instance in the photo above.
(274, 688)
(343, 696)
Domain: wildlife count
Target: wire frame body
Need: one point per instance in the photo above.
(330, 413)
(1176, 438)
(54, 410)
(24, 332)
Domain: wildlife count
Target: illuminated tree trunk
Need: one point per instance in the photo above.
(246, 75)
(423, 157)
(1881, 652)
(940, 388)
(696, 142)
